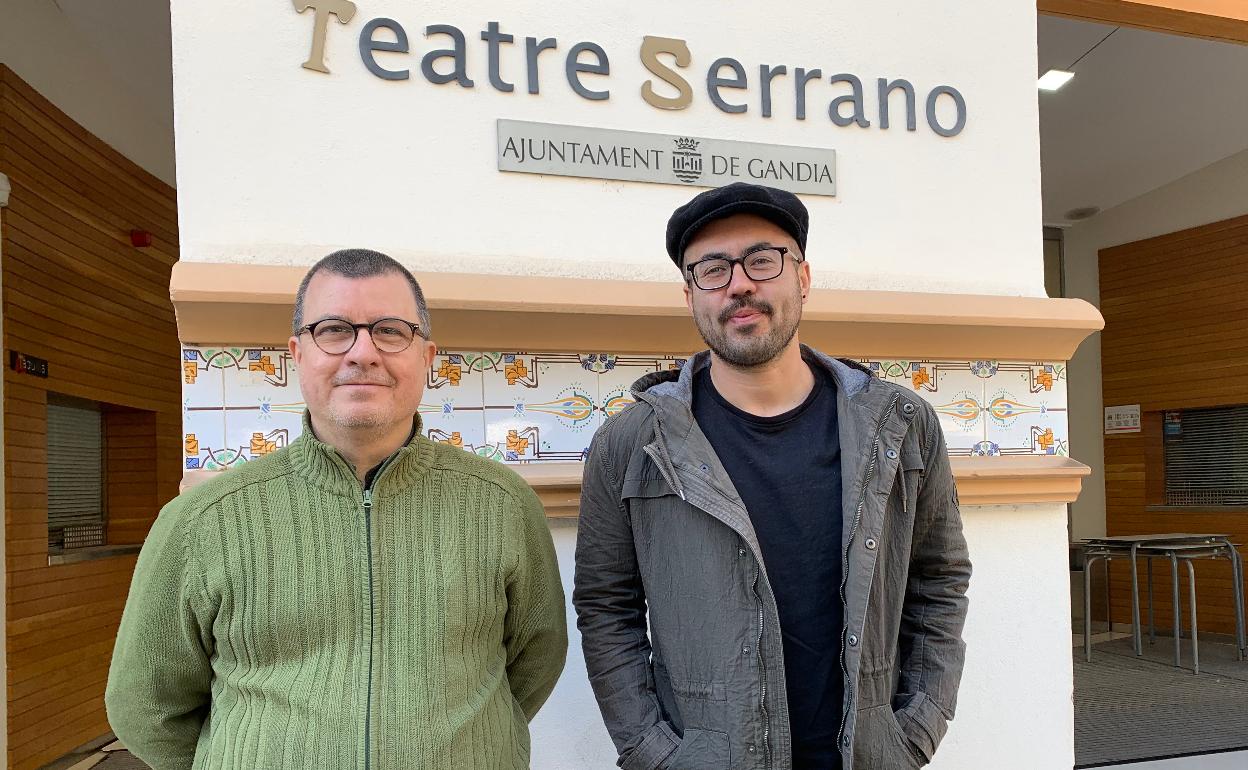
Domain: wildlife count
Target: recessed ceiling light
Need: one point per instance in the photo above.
(1054, 79)
(1080, 214)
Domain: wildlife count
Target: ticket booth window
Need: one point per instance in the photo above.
(1207, 456)
(75, 473)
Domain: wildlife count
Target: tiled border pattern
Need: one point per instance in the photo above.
(242, 403)
(990, 407)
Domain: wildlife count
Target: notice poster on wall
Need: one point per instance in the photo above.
(1122, 419)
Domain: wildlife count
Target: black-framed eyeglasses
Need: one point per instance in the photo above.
(336, 336)
(760, 264)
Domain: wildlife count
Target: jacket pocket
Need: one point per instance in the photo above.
(701, 690)
(880, 743)
(701, 750)
(667, 698)
(701, 702)
(911, 751)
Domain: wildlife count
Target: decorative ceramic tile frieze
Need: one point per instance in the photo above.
(453, 407)
(1026, 408)
(237, 404)
(515, 407)
(990, 407)
(952, 388)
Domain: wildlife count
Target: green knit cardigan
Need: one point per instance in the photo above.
(281, 616)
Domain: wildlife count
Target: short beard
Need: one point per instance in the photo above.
(369, 421)
(376, 419)
(747, 352)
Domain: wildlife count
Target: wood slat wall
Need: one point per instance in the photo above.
(1176, 337)
(79, 295)
(1225, 20)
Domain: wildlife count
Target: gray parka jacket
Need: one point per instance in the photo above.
(677, 617)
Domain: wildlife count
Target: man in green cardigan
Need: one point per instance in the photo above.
(364, 598)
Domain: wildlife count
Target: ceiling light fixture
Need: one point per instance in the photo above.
(1080, 214)
(1054, 80)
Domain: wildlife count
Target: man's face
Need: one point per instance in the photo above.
(747, 323)
(364, 388)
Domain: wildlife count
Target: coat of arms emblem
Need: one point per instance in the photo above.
(686, 160)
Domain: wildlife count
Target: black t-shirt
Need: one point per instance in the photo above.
(787, 470)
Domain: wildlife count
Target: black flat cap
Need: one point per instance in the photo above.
(777, 206)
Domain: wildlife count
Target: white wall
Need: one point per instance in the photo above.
(104, 64)
(1016, 699)
(1216, 192)
(1016, 693)
(278, 164)
(568, 733)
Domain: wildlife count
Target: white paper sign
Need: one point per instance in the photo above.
(1122, 419)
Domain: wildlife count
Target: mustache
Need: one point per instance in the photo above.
(356, 380)
(742, 303)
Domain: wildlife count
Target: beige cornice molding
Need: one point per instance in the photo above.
(252, 305)
(981, 481)
(1012, 480)
(1018, 479)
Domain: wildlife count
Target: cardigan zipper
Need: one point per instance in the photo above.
(367, 499)
(368, 701)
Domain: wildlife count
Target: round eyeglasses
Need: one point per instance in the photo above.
(336, 336)
(761, 264)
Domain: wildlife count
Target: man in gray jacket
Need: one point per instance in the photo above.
(770, 567)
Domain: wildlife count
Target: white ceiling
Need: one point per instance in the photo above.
(132, 40)
(1144, 109)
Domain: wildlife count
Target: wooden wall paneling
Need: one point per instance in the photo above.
(1176, 337)
(78, 294)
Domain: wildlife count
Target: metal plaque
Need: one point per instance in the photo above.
(677, 159)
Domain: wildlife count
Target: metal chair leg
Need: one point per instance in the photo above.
(1237, 577)
(1135, 601)
(1174, 598)
(1152, 630)
(1087, 606)
(1191, 587)
(1109, 603)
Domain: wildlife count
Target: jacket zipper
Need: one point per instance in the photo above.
(853, 529)
(762, 668)
(368, 702)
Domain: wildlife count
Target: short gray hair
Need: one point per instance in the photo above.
(361, 263)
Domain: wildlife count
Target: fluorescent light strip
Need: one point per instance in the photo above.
(1054, 80)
